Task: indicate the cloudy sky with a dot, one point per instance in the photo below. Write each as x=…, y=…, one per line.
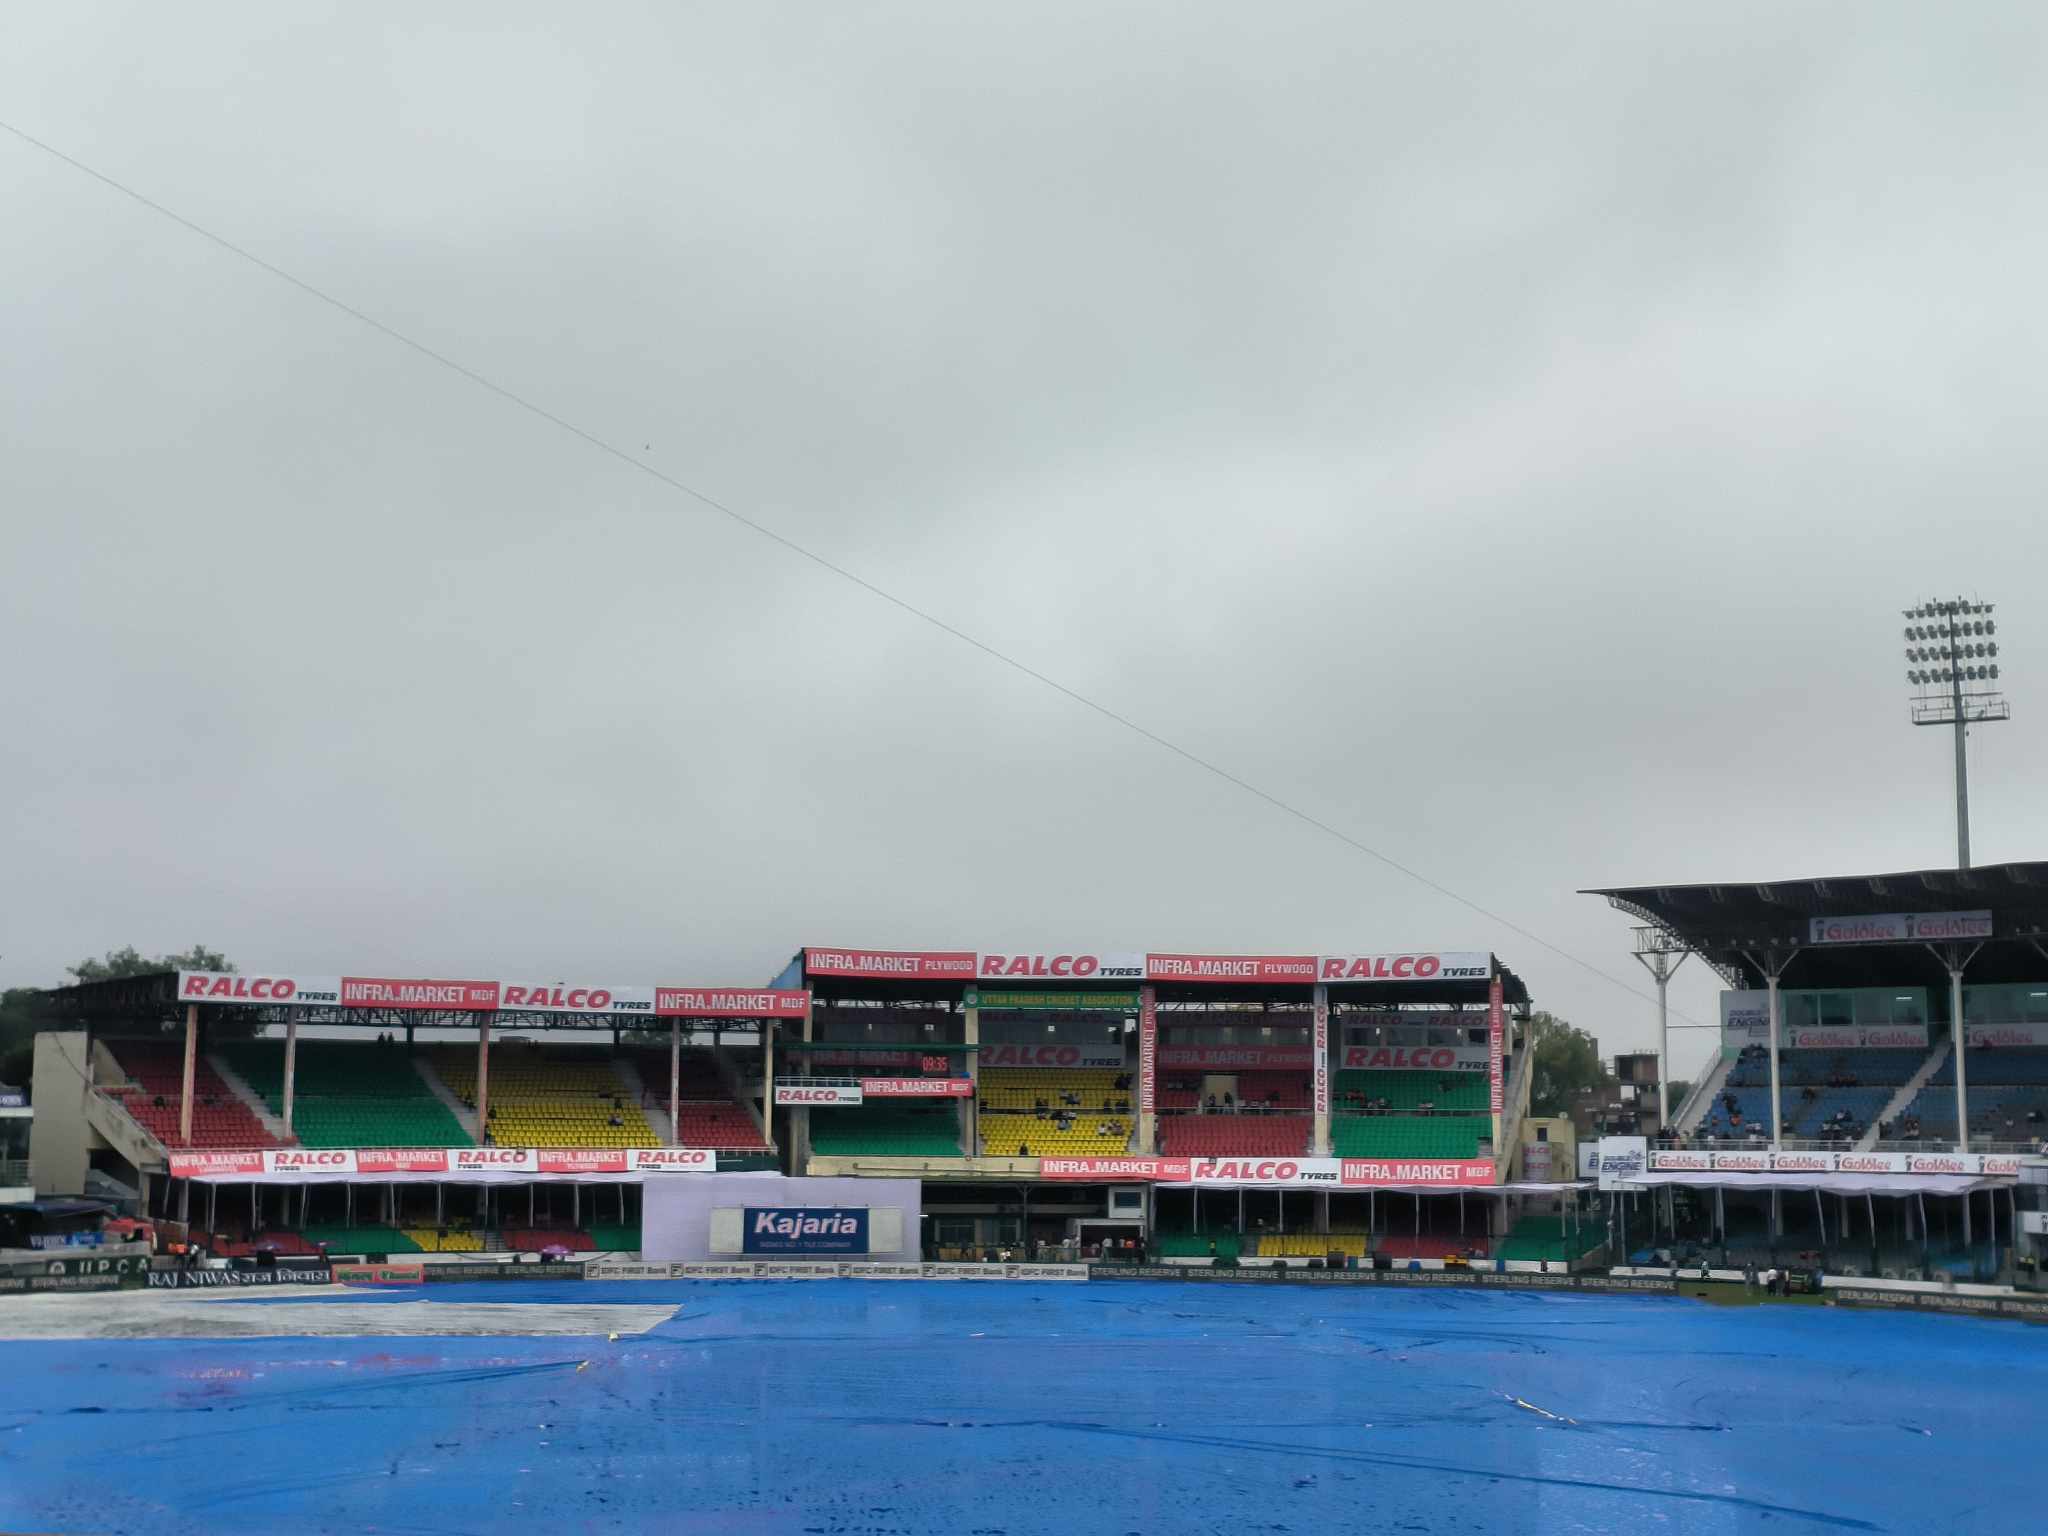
x=1505, y=437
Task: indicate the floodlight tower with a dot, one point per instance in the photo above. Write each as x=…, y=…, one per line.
x=1661, y=953
x=1952, y=661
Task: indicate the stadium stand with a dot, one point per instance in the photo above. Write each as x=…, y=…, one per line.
x=1430, y=1245
x=359, y=1239
x=1234, y=1135
x=540, y=1239
x=1055, y=1112
x=2008, y=1090
x=1536, y=1237
x=1816, y=1090
x=348, y=1094
x=706, y=1114
x=1357, y=1088
x=1309, y=1245
x=1198, y=1245
x=614, y=1238
x=549, y=1096
x=219, y=1117
x=1436, y=1136
x=888, y=1128
x=445, y=1239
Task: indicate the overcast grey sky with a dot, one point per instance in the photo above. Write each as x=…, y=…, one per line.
x=1507, y=434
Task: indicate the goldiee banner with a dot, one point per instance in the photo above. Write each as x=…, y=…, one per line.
x=1990, y=1165
x=1478, y=1279
x=270, y=989
x=468, y=1165
x=2021, y=1034
x=1899, y=928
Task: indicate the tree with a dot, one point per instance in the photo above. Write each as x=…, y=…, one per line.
x=21, y=1014
x=129, y=961
x=1564, y=1061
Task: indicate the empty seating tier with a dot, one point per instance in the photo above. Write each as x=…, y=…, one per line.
x=907, y=1128
x=1055, y=1112
x=1414, y=1136
x=1234, y=1135
x=1540, y=1237
x=544, y=1096
x=344, y=1239
x=219, y=1117
x=346, y=1094
x=707, y=1115
x=1309, y=1245
x=1354, y=1088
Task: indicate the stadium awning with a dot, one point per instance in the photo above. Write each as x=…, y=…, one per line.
x=1826, y=1183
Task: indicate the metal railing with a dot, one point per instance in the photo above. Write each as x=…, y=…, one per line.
x=14, y=1171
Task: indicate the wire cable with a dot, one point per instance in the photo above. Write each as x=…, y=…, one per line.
x=804, y=552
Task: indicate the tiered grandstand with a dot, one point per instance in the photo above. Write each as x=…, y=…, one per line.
x=346, y=1094
x=1410, y=1114
x=219, y=1117
x=1234, y=1135
x=1815, y=1089
x=1055, y=1112
x=550, y=1096
x=887, y=1128
x=707, y=1115
x=2008, y=1093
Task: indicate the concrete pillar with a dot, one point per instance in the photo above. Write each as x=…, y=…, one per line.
x=191, y=1070
x=970, y=1107
x=1955, y=1024
x=768, y=1077
x=675, y=1079
x=1148, y=1070
x=1319, y=1044
x=1777, y=1111
x=291, y=1064
x=483, y=1077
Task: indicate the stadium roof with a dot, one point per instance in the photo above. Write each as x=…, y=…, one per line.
x=1732, y=924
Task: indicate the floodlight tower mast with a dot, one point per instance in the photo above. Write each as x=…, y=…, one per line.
x=1661, y=953
x=1952, y=661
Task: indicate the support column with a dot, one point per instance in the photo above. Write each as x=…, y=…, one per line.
x=675, y=1080
x=1320, y=1045
x=768, y=1077
x=1955, y=1024
x=191, y=1070
x=1777, y=1109
x=291, y=1065
x=800, y=1118
x=970, y=1107
x=483, y=1077
x=1148, y=1070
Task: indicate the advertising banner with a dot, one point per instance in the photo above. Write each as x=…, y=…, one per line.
x=1094, y=1054
x=819, y=1093
x=729, y=1003
x=1239, y=970
x=1011, y=1001
x=494, y=1160
x=214, y=1165
x=1420, y=1058
x=1746, y=1018
x=674, y=1160
x=418, y=996
x=402, y=1160
x=2021, y=1034
x=891, y=964
x=1248, y=1058
x=917, y=1087
x=379, y=1274
x=1622, y=1157
x=542, y=997
x=1899, y=928
x=804, y=1229
x=285, y=1272
x=1148, y=1051
x=1319, y=1050
x=1455, y=965
x=1101, y=966
x=264, y=989
x=1267, y=1172
x=1115, y=1170
x=1763, y=1160
x=1496, y=1049
x=1448, y=1172
x=581, y=1159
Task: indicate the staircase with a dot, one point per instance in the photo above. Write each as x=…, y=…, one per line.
x=464, y=1115
x=1896, y=1104
x=239, y=1087
x=636, y=1093
x=1687, y=1117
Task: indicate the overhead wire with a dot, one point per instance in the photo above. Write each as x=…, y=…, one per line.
x=804, y=552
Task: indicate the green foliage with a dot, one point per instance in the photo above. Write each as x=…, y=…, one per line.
x=21, y=1014
x=1564, y=1062
x=129, y=961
